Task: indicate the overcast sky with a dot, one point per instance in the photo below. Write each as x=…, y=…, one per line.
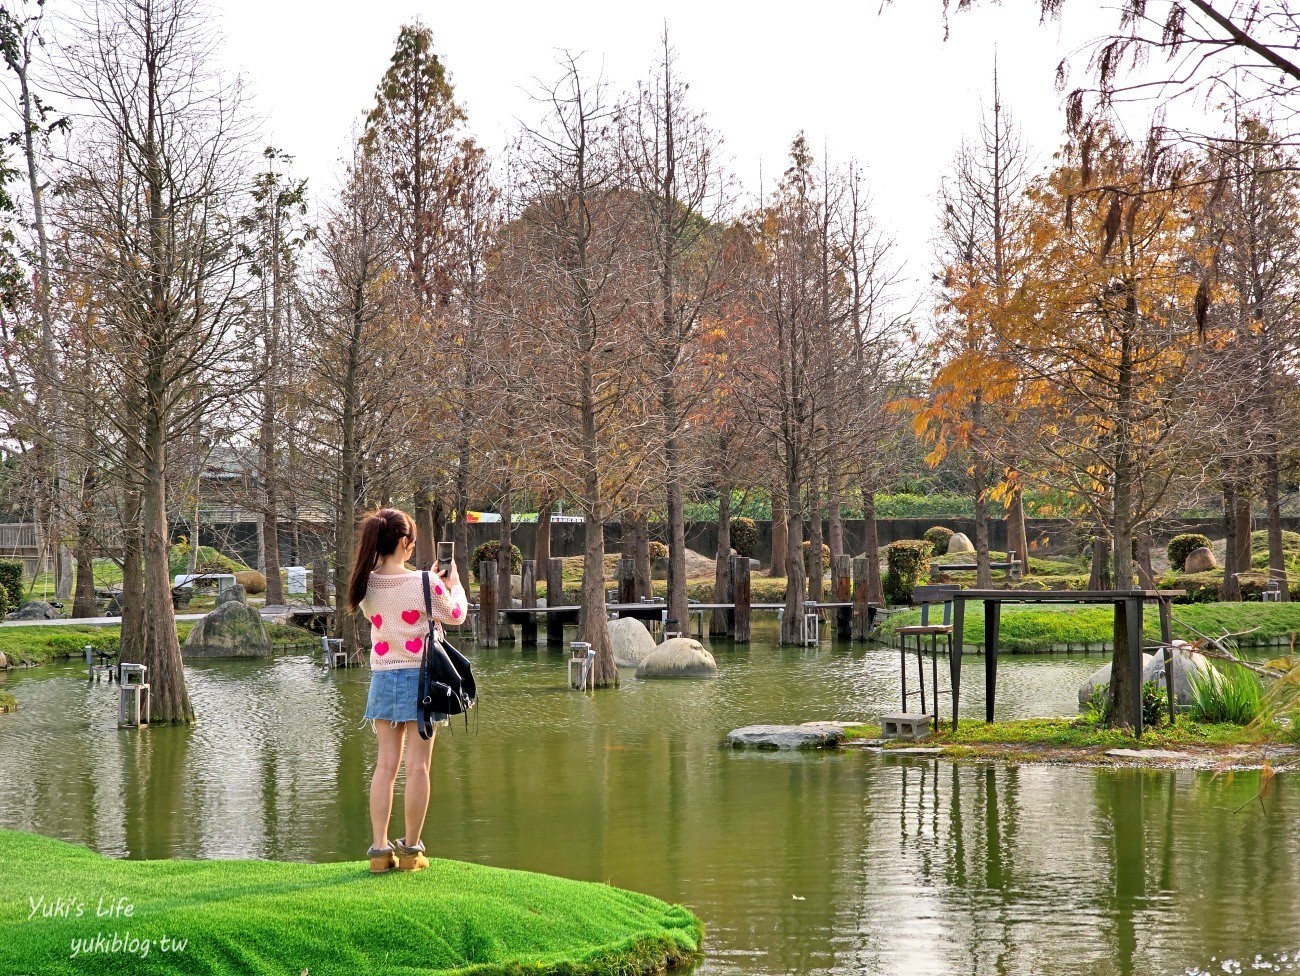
x=881, y=87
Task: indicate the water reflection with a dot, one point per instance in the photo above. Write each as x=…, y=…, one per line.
x=841, y=863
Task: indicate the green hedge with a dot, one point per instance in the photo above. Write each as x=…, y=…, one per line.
x=489, y=551
x=744, y=536
x=938, y=536
x=11, y=581
x=807, y=558
x=908, y=562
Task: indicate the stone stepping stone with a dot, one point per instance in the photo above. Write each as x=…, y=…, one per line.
x=819, y=735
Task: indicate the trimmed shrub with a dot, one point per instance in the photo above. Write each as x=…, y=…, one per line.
x=252, y=581
x=490, y=551
x=938, y=536
x=908, y=562
x=744, y=537
x=1181, y=546
x=1155, y=704
x=658, y=550
x=807, y=558
x=11, y=581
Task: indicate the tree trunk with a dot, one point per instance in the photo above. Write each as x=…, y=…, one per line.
x=816, y=564
x=1017, y=536
x=1099, y=577
x=1245, y=558
x=594, y=628
x=85, y=604
x=1142, y=547
x=835, y=517
x=1273, y=502
x=1231, y=589
x=641, y=556
x=983, y=575
x=875, y=586
x=542, y=543
x=169, y=699
x=722, y=562
x=794, y=575
x=676, y=515
x=425, y=534
x=505, y=596
x=779, y=536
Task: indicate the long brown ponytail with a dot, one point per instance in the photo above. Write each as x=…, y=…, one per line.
x=381, y=531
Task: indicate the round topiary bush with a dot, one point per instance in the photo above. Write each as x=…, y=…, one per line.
x=490, y=551
x=938, y=536
x=908, y=562
x=11, y=581
x=744, y=536
x=1181, y=546
x=658, y=550
x=252, y=581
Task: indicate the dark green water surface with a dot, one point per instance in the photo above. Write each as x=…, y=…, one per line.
x=842, y=862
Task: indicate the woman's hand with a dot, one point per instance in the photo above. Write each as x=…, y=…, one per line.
x=452, y=576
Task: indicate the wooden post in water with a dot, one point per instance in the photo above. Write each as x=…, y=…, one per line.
x=554, y=598
x=626, y=576
x=842, y=588
x=487, y=603
x=740, y=586
x=861, y=612
x=733, y=567
x=528, y=601
x=723, y=621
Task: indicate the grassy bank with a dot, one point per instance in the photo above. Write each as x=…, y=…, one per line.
x=39, y=644
x=1029, y=628
x=267, y=917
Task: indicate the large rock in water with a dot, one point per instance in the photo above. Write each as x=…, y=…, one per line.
x=231, y=630
x=1101, y=679
x=681, y=657
x=1199, y=561
x=630, y=642
x=34, y=610
x=817, y=735
x=960, y=542
x=1187, y=663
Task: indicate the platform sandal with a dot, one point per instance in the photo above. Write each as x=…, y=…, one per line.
x=382, y=859
x=410, y=858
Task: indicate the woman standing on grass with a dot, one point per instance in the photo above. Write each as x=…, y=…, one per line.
x=392, y=598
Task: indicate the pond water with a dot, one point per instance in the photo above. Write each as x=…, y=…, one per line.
x=846, y=862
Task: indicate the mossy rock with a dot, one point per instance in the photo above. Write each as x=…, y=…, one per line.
x=231, y=630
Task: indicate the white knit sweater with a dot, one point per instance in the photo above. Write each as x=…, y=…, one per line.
x=395, y=606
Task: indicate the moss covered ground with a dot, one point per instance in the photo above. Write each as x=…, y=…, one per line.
x=1028, y=628
x=267, y=917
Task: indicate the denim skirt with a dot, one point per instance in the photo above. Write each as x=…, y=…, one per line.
x=393, y=696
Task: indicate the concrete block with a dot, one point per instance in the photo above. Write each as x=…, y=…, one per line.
x=905, y=725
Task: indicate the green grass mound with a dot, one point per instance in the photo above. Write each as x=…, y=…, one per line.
x=264, y=917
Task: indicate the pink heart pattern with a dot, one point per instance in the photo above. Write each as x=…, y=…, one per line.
x=381, y=648
x=377, y=620
x=455, y=613
x=414, y=645
x=410, y=616
x=437, y=589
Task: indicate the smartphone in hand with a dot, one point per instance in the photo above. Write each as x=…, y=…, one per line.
x=446, y=553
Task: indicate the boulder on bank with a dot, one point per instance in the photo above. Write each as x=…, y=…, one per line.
x=34, y=610
x=1101, y=679
x=681, y=657
x=4, y=661
x=231, y=630
x=1199, y=561
x=814, y=735
x=235, y=593
x=960, y=542
x=630, y=642
x=1187, y=663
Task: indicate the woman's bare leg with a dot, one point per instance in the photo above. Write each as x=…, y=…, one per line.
x=419, y=754
x=390, y=738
